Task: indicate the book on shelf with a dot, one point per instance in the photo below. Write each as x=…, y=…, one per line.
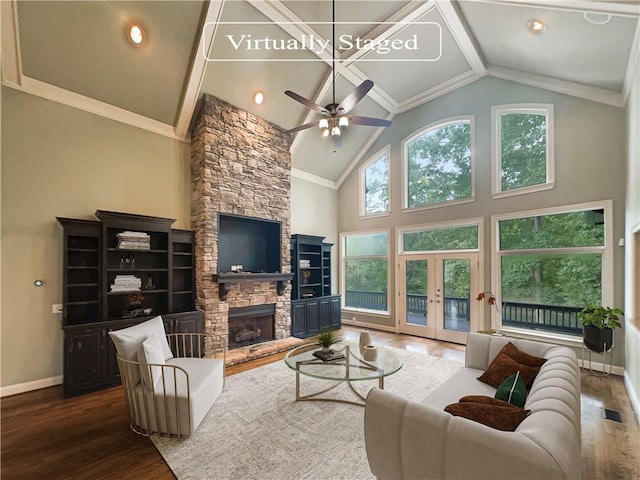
x=134, y=240
x=329, y=356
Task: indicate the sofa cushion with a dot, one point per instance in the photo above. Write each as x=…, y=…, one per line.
x=504, y=366
x=150, y=351
x=501, y=416
x=513, y=390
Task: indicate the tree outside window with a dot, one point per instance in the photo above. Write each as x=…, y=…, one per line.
x=375, y=184
x=551, y=263
x=365, y=271
x=523, y=154
x=438, y=165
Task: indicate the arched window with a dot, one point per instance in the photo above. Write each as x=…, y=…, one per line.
x=438, y=166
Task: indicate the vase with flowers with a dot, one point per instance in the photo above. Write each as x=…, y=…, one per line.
x=133, y=301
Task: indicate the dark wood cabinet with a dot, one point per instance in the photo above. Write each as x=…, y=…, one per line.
x=313, y=308
x=152, y=261
x=85, y=360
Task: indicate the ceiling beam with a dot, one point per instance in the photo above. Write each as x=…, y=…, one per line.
x=11, y=60
x=587, y=92
x=198, y=68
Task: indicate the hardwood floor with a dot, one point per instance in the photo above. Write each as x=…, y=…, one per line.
x=45, y=436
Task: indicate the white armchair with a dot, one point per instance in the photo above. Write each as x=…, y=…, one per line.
x=168, y=385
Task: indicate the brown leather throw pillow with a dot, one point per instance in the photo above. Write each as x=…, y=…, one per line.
x=523, y=357
x=495, y=413
x=503, y=366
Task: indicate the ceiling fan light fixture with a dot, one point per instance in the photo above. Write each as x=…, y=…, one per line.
x=325, y=132
x=323, y=124
x=135, y=34
x=536, y=26
x=343, y=122
x=258, y=97
x=335, y=131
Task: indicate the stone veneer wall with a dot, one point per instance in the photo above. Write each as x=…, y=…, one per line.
x=240, y=164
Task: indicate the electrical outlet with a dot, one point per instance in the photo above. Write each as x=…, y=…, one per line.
x=56, y=308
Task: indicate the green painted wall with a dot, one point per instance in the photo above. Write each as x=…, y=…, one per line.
x=60, y=161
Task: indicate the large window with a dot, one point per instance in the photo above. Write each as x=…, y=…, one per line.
x=438, y=165
x=374, y=184
x=366, y=271
x=522, y=149
x=551, y=264
x=440, y=239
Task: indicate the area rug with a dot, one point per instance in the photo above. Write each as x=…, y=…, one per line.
x=256, y=429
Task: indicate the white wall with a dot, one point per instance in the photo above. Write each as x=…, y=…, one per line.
x=632, y=248
x=59, y=161
x=314, y=211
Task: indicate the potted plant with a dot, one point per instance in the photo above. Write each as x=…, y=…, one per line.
x=326, y=338
x=598, y=323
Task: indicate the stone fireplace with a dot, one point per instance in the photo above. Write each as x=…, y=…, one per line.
x=241, y=166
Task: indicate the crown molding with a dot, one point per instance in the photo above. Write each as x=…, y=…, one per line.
x=594, y=94
x=91, y=105
x=439, y=90
x=632, y=63
x=309, y=177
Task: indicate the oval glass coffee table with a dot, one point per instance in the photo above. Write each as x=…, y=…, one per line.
x=349, y=368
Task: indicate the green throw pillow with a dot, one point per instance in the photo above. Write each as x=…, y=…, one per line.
x=513, y=390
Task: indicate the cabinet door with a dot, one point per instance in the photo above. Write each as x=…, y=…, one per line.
x=192, y=322
x=85, y=363
x=299, y=319
x=313, y=316
x=325, y=313
x=336, y=312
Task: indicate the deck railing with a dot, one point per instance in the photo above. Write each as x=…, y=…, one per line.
x=524, y=315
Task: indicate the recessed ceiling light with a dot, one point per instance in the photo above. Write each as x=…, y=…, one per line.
x=135, y=33
x=536, y=26
x=258, y=98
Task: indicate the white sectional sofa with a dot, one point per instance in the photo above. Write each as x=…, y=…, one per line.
x=417, y=439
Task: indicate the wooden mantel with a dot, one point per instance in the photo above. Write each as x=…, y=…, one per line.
x=224, y=281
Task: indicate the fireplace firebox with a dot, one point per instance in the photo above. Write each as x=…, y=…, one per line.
x=250, y=325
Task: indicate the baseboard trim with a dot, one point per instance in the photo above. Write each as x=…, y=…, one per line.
x=372, y=326
x=29, y=386
x=635, y=401
x=599, y=367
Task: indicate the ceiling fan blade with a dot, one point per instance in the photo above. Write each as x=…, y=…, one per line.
x=303, y=127
x=337, y=141
x=354, y=97
x=307, y=103
x=372, y=122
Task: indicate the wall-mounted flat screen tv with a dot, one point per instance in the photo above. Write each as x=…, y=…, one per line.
x=251, y=242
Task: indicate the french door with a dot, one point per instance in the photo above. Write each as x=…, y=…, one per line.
x=436, y=295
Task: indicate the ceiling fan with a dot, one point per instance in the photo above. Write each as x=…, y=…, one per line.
x=335, y=116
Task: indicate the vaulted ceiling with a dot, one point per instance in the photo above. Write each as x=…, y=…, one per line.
x=77, y=53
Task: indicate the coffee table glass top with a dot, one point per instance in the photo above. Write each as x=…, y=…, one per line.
x=302, y=360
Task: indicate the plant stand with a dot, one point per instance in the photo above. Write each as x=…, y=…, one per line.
x=604, y=372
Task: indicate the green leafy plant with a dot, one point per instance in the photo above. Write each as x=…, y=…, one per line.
x=326, y=338
x=600, y=317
